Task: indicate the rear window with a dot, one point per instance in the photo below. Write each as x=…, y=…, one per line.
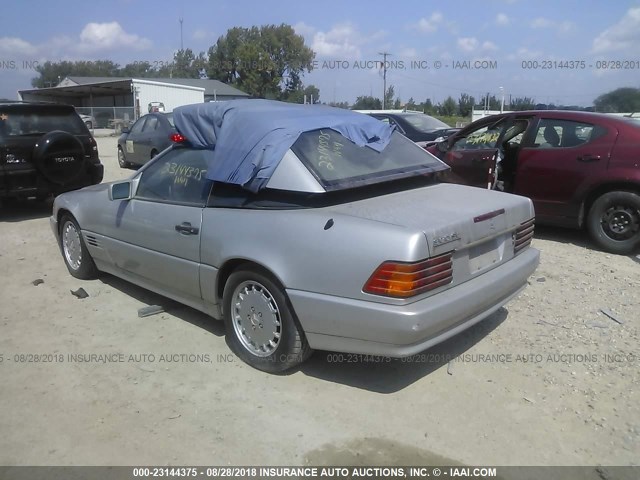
x=338, y=163
x=23, y=121
x=169, y=117
x=424, y=123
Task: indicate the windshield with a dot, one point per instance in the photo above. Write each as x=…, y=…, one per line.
x=423, y=122
x=338, y=163
x=20, y=120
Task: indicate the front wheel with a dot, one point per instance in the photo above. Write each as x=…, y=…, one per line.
x=260, y=323
x=614, y=222
x=74, y=251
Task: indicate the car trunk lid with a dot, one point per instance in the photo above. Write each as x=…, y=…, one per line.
x=479, y=226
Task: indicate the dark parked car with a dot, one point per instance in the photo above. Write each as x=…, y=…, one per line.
x=580, y=169
x=150, y=135
x=45, y=149
x=416, y=126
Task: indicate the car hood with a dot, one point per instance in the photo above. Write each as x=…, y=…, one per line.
x=451, y=216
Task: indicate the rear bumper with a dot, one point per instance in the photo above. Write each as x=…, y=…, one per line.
x=356, y=326
x=29, y=182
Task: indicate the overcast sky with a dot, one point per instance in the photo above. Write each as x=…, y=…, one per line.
x=418, y=34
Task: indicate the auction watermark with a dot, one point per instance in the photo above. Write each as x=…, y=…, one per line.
x=344, y=358
x=624, y=64
x=25, y=64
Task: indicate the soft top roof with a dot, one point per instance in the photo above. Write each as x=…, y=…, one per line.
x=248, y=138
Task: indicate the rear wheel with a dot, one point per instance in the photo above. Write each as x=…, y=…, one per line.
x=153, y=154
x=122, y=160
x=614, y=222
x=74, y=251
x=261, y=327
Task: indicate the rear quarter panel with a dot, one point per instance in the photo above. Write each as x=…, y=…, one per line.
x=297, y=248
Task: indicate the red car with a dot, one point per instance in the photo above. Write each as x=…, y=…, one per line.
x=580, y=169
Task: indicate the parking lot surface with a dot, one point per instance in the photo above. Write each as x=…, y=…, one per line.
x=551, y=379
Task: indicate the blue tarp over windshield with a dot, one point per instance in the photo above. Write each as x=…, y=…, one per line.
x=248, y=138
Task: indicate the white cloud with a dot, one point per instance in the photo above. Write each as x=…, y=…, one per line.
x=343, y=40
x=489, y=46
x=560, y=27
x=624, y=35
x=430, y=24
x=201, y=34
x=472, y=44
x=408, y=53
x=336, y=42
x=467, y=44
x=16, y=46
x=502, y=19
x=107, y=36
x=524, y=53
x=94, y=38
x=303, y=29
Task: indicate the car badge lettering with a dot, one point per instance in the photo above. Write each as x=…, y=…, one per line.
x=452, y=237
x=64, y=159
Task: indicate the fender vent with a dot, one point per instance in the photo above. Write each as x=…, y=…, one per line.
x=91, y=240
x=523, y=236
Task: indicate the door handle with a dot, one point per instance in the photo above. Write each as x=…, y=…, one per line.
x=185, y=228
x=588, y=158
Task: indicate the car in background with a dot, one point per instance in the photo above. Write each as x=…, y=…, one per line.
x=580, y=169
x=88, y=120
x=155, y=107
x=416, y=126
x=147, y=137
x=331, y=244
x=45, y=149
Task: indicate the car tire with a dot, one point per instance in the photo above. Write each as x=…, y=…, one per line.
x=253, y=299
x=74, y=251
x=60, y=157
x=614, y=222
x=153, y=154
x=122, y=159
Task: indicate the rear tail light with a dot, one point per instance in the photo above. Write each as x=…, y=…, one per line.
x=177, y=138
x=523, y=236
x=402, y=279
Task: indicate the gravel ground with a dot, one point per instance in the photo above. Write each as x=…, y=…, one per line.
x=547, y=380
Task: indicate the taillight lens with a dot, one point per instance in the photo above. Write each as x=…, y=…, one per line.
x=403, y=280
x=523, y=236
x=177, y=138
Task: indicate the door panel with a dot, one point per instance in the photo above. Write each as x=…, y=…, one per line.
x=157, y=233
x=472, y=167
x=552, y=171
x=472, y=155
x=150, y=246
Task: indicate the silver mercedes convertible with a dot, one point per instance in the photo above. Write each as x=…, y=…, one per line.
x=303, y=227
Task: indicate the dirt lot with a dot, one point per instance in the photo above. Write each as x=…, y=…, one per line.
x=547, y=380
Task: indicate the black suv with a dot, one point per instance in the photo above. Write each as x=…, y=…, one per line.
x=45, y=149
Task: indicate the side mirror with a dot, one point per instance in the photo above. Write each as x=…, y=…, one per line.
x=120, y=191
x=124, y=130
x=443, y=146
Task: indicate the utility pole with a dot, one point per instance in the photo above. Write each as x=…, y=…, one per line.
x=181, y=43
x=384, y=76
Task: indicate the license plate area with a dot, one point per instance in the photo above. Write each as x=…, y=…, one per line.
x=486, y=254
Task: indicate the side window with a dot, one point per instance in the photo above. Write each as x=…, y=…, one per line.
x=176, y=177
x=137, y=127
x=556, y=133
x=150, y=125
x=483, y=138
